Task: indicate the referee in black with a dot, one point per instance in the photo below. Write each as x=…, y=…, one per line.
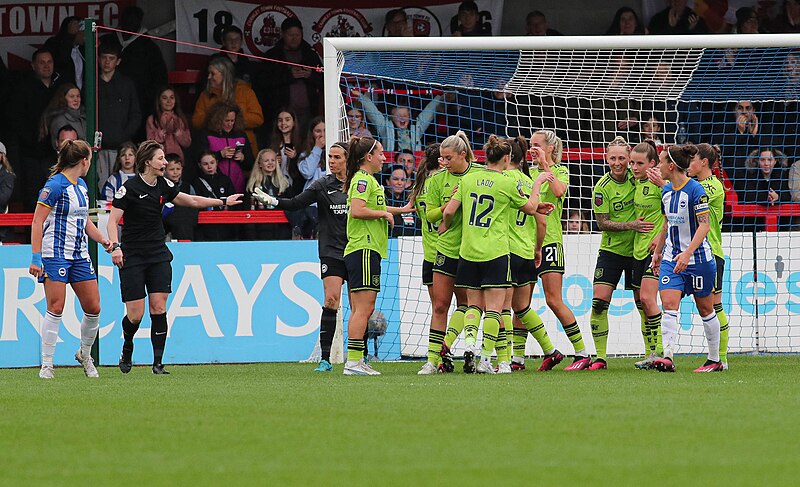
x=327, y=192
x=142, y=255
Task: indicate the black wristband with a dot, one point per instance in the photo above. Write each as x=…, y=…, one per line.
x=115, y=246
x=224, y=201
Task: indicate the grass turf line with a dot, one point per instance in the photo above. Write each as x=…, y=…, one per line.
x=283, y=424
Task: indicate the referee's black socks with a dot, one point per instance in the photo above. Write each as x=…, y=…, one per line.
x=129, y=329
x=158, y=336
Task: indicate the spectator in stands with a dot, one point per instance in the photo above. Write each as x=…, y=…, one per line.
x=536, y=25
x=396, y=187
x=312, y=162
x=180, y=222
x=225, y=137
x=6, y=188
x=124, y=169
x=479, y=113
x=286, y=141
x=118, y=108
x=395, y=131
x=64, y=109
x=212, y=184
x=223, y=86
x=737, y=137
x=66, y=133
x=66, y=47
x=297, y=85
x=358, y=128
x=768, y=178
x=268, y=177
x=232, y=42
x=794, y=181
x=469, y=21
x=395, y=24
x=747, y=21
x=167, y=125
x=789, y=19
x=576, y=222
x=677, y=19
x=625, y=23
x=27, y=103
x=406, y=159
x=651, y=130
x=140, y=60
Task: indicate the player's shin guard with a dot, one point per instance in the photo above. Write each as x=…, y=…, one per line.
x=519, y=340
x=507, y=335
x=49, y=332
x=599, y=321
x=435, y=339
x=711, y=326
x=455, y=326
x=491, y=330
x=89, y=326
x=723, y=332
x=327, y=328
x=158, y=336
x=534, y=324
x=472, y=319
x=669, y=331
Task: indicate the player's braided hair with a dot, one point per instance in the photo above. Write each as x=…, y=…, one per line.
x=428, y=164
x=70, y=153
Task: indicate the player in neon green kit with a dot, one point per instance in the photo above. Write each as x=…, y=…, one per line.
x=483, y=265
x=647, y=205
x=368, y=221
x=701, y=168
x=457, y=158
x=526, y=240
x=546, y=150
x=614, y=211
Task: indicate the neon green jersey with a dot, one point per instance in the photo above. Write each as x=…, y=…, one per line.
x=429, y=230
x=486, y=197
x=716, y=203
x=553, y=234
x=616, y=200
x=521, y=227
x=367, y=234
x=647, y=205
x=440, y=190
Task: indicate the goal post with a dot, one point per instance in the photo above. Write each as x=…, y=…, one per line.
x=588, y=90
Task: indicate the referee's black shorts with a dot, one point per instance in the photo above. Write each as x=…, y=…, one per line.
x=363, y=270
x=610, y=267
x=481, y=275
x=143, y=273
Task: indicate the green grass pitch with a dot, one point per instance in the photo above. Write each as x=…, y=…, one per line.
x=282, y=424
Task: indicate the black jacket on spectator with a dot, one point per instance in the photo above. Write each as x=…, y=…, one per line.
x=181, y=223
x=659, y=24
x=119, y=111
x=407, y=224
x=756, y=188
x=217, y=186
x=29, y=100
x=61, y=47
x=6, y=189
x=272, y=85
x=266, y=231
x=144, y=64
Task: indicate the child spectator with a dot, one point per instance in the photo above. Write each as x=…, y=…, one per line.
x=267, y=176
x=355, y=120
x=232, y=42
x=6, y=188
x=167, y=125
x=123, y=170
x=577, y=222
x=312, y=162
x=212, y=184
x=225, y=137
x=180, y=222
x=396, y=188
x=395, y=131
x=286, y=142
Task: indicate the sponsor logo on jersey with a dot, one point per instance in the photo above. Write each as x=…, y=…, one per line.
x=361, y=186
x=44, y=193
x=646, y=190
x=598, y=199
x=618, y=206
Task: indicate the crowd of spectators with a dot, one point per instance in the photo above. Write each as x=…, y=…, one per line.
x=257, y=124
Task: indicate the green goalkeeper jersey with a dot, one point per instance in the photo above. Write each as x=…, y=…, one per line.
x=716, y=203
x=486, y=197
x=615, y=199
x=367, y=234
x=647, y=204
x=440, y=189
x=430, y=232
x=553, y=234
x=521, y=227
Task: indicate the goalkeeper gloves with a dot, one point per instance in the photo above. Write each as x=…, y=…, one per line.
x=264, y=198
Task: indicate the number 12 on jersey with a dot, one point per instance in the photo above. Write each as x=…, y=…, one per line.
x=486, y=202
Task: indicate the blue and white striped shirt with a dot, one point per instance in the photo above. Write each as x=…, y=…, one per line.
x=64, y=230
x=681, y=207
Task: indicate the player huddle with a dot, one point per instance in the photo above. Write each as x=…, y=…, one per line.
x=490, y=233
